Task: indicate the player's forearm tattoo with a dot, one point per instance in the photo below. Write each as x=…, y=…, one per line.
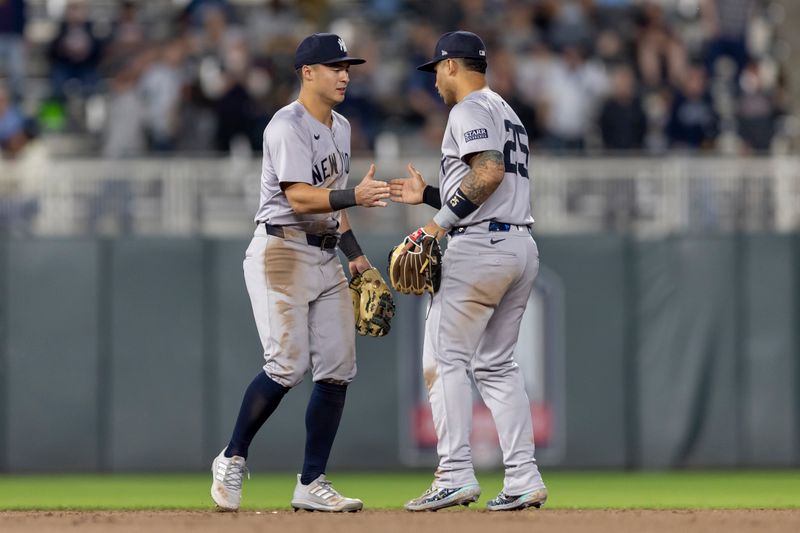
x=482, y=180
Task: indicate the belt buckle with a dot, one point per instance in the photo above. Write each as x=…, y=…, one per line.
x=328, y=242
x=499, y=226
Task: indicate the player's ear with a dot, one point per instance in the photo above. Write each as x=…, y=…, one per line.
x=442, y=67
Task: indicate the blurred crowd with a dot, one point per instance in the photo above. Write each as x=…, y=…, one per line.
x=205, y=76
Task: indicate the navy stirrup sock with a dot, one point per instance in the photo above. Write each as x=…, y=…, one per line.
x=260, y=400
x=322, y=420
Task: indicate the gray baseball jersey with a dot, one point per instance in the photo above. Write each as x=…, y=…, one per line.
x=474, y=320
x=298, y=292
x=299, y=148
x=484, y=121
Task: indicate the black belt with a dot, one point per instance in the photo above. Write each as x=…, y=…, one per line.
x=493, y=226
x=326, y=242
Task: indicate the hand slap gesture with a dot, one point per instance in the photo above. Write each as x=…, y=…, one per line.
x=408, y=190
x=370, y=192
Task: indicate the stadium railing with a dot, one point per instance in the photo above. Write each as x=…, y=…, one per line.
x=218, y=197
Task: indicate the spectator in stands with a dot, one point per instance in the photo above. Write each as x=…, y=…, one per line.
x=518, y=28
x=659, y=49
x=613, y=14
x=74, y=53
x=12, y=45
x=11, y=118
x=128, y=37
x=362, y=106
x=124, y=134
x=502, y=79
x=562, y=94
x=725, y=23
x=197, y=10
x=757, y=110
x=477, y=16
x=693, y=123
x=447, y=14
x=421, y=95
x=623, y=123
x=571, y=26
x=429, y=137
x=571, y=96
x=217, y=35
x=534, y=69
x=543, y=16
x=16, y=131
x=209, y=46
x=236, y=108
x=383, y=11
x=161, y=87
x=611, y=50
x=276, y=21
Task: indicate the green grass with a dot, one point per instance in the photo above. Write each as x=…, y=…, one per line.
x=568, y=490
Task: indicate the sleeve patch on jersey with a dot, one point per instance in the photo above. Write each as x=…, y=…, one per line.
x=473, y=135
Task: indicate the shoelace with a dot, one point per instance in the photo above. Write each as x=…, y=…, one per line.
x=502, y=498
x=329, y=485
x=433, y=489
x=234, y=474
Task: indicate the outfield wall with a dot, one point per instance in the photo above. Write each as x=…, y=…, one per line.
x=133, y=353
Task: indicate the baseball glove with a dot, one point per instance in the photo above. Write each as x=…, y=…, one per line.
x=373, y=305
x=418, y=270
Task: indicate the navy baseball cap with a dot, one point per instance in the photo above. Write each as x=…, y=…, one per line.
x=323, y=48
x=456, y=44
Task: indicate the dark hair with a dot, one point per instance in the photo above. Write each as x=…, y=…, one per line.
x=477, y=65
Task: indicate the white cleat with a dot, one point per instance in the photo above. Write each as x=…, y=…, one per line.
x=436, y=498
x=226, y=487
x=319, y=495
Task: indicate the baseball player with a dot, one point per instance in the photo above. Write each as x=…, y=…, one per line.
x=487, y=277
x=297, y=288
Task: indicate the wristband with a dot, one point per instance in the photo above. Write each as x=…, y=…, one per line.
x=342, y=198
x=461, y=205
x=458, y=207
x=349, y=245
x=432, y=197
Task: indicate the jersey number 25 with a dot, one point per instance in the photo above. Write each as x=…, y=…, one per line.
x=519, y=138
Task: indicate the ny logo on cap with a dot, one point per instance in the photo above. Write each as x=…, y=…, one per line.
x=342, y=46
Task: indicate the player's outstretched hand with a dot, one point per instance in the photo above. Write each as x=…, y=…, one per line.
x=371, y=192
x=408, y=190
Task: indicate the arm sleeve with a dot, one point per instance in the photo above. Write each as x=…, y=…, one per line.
x=474, y=129
x=289, y=152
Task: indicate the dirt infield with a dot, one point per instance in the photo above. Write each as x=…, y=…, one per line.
x=562, y=521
